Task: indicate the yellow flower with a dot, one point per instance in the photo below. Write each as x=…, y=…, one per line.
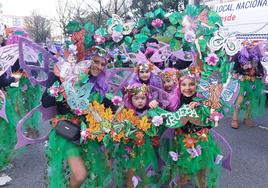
x=144, y=124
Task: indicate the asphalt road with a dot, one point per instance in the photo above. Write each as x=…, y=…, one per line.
x=249, y=161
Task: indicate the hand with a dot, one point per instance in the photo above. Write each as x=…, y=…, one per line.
x=153, y=104
x=194, y=104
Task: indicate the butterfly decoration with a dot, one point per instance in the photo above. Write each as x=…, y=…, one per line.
x=194, y=152
x=78, y=96
x=174, y=155
x=214, y=91
x=35, y=61
x=3, y=105
x=118, y=22
x=225, y=41
x=70, y=70
x=8, y=56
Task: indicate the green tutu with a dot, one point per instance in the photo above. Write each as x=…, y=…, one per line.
x=7, y=135
x=58, y=151
x=254, y=98
x=199, y=156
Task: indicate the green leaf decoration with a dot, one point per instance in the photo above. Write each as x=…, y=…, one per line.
x=118, y=127
x=109, y=96
x=202, y=44
x=149, y=15
x=73, y=26
x=171, y=30
x=88, y=42
x=101, y=31
x=107, y=139
x=83, y=125
x=59, y=98
x=130, y=129
x=160, y=13
x=128, y=40
x=145, y=30
x=83, y=77
x=214, y=18
x=118, y=28
x=109, y=21
x=95, y=97
x=175, y=17
x=135, y=46
x=152, y=131
x=89, y=27
x=141, y=38
x=141, y=23
x=174, y=44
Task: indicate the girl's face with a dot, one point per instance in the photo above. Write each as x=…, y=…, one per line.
x=97, y=66
x=144, y=75
x=139, y=101
x=168, y=84
x=188, y=87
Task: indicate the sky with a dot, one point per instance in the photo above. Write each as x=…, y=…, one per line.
x=25, y=7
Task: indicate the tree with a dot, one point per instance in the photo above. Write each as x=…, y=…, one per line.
x=39, y=27
x=141, y=7
x=64, y=14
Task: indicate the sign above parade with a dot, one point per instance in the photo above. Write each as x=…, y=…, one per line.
x=243, y=16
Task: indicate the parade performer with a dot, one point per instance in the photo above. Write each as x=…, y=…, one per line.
x=60, y=148
x=144, y=73
x=249, y=71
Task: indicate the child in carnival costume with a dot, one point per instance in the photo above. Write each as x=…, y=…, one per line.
x=249, y=71
x=197, y=148
x=193, y=152
x=144, y=73
x=137, y=98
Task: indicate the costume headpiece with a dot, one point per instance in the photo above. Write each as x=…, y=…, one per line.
x=170, y=73
x=144, y=66
x=137, y=88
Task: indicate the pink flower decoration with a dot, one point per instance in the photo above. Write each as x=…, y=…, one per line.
x=117, y=100
x=189, y=36
x=99, y=39
x=199, y=95
x=157, y=120
x=212, y=59
x=128, y=149
x=54, y=91
x=157, y=23
x=117, y=36
x=84, y=134
x=174, y=155
x=216, y=116
x=78, y=111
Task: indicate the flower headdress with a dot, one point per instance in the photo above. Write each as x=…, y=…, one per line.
x=188, y=73
x=135, y=89
x=144, y=66
x=170, y=73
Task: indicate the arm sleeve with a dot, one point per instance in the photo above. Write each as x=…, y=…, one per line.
x=47, y=100
x=6, y=81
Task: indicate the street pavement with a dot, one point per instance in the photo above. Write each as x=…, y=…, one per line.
x=249, y=161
